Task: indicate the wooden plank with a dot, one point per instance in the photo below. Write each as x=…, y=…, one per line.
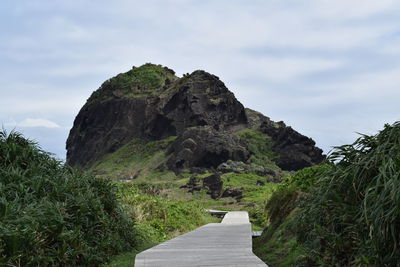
x=215, y=244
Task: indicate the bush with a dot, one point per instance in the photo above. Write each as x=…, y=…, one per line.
x=160, y=218
x=51, y=214
x=286, y=197
x=352, y=216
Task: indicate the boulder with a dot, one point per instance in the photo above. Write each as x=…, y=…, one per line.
x=193, y=184
x=260, y=183
x=241, y=167
x=213, y=184
x=236, y=193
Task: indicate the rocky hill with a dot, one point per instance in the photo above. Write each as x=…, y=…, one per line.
x=205, y=126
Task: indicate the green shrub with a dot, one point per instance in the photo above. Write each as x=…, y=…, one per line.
x=281, y=204
x=286, y=196
x=260, y=146
x=352, y=216
x=279, y=245
x=306, y=178
x=53, y=215
x=159, y=218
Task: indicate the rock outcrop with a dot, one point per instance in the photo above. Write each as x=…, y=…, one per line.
x=295, y=150
x=151, y=103
x=213, y=184
x=205, y=147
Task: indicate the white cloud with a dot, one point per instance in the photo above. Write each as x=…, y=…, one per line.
x=32, y=123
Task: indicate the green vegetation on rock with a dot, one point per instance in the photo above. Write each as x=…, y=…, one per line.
x=136, y=159
x=260, y=146
x=140, y=81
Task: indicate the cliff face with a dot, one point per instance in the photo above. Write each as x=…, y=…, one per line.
x=151, y=103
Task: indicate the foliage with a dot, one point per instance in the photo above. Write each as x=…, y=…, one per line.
x=240, y=179
x=53, y=215
x=352, y=216
x=260, y=147
x=135, y=159
x=254, y=196
x=304, y=179
x=278, y=245
x=142, y=81
x=286, y=196
x=157, y=217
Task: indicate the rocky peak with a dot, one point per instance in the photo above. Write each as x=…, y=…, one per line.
x=151, y=103
x=201, y=99
x=146, y=80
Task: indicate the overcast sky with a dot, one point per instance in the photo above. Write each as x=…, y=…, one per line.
x=329, y=69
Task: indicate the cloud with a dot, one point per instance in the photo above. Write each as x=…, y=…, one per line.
x=33, y=123
x=311, y=63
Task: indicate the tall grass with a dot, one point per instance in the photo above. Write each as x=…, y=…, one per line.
x=53, y=215
x=159, y=218
x=352, y=215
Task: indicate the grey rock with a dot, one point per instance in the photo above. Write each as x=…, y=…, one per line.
x=205, y=147
x=295, y=150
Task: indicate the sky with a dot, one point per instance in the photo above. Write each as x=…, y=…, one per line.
x=329, y=69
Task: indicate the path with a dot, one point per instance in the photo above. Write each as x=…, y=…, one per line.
x=216, y=244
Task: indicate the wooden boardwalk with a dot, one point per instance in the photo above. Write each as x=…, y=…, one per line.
x=216, y=244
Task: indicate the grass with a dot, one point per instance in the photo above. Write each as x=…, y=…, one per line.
x=148, y=79
x=342, y=213
x=136, y=159
x=354, y=207
x=126, y=259
x=141, y=159
x=166, y=211
x=278, y=246
x=158, y=218
x=164, y=197
x=260, y=147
